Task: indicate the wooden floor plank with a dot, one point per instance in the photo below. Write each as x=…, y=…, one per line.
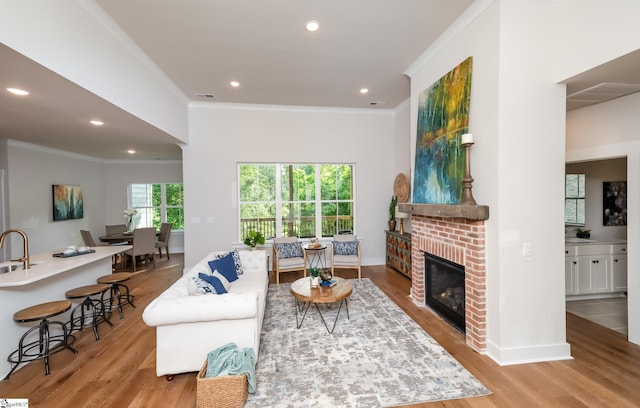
x=119, y=369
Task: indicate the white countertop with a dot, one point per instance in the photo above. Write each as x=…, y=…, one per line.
x=46, y=265
x=584, y=241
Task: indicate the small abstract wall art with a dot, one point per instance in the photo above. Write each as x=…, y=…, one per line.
x=67, y=202
x=614, y=204
x=443, y=116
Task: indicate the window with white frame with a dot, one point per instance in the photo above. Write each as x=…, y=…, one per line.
x=574, y=199
x=157, y=203
x=302, y=200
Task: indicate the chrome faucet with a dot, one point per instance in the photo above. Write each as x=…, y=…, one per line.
x=25, y=246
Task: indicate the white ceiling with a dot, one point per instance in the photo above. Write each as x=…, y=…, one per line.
x=203, y=45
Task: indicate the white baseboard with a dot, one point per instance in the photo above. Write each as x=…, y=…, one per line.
x=526, y=355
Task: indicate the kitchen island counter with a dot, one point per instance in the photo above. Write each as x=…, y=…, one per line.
x=46, y=281
x=46, y=265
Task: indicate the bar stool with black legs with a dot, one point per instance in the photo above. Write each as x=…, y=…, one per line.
x=46, y=344
x=97, y=307
x=115, y=280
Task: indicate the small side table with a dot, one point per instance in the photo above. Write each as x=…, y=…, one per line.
x=315, y=255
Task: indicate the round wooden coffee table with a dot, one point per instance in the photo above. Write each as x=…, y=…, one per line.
x=305, y=295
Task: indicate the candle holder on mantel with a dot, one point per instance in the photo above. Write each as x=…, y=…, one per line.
x=467, y=196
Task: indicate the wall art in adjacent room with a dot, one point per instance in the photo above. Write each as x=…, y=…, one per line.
x=614, y=205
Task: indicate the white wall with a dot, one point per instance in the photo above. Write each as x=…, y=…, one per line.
x=596, y=172
x=403, y=157
x=223, y=135
x=511, y=90
x=608, y=130
x=591, y=32
x=79, y=42
x=118, y=176
x=32, y=169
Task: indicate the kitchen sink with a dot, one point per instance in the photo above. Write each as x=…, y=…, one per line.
x=11, y=266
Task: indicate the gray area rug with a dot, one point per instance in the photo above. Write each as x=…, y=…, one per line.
x=378, y=358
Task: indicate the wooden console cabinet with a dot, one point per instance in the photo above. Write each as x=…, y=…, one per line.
x=399, y=252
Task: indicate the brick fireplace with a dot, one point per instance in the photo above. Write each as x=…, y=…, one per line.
x=459, y=240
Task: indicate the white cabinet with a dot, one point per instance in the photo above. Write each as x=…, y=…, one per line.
x=570, y=271
x=571, y=275
x=593, y=274
x=595, y=269
x=619, y=268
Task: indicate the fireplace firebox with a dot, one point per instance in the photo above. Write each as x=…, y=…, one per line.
x=444, y=289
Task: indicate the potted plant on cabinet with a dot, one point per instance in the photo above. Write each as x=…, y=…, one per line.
x=253, y=238
x=583, y=233
x=392, y=213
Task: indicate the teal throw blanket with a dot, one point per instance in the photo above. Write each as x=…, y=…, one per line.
x=231, y=360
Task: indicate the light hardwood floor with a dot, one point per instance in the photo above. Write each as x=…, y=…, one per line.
x=118, y=370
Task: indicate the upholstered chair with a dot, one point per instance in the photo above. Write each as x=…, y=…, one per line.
x=116, y=229
x=144, y=244
x=87, y=238
x=163, y=238
x=288, y=256
x=345, y=254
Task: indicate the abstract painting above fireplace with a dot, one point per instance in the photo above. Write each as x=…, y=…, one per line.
x=443, y=116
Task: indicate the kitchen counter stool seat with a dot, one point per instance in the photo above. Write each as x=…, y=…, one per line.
x=115, y=280
x=97, y=307
x=46, y=344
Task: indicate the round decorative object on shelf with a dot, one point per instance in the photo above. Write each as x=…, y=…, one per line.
x=401, y=188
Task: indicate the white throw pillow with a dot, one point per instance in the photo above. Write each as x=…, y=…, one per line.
x=222, y=279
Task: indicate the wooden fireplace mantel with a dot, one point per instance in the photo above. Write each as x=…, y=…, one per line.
x=470, y=212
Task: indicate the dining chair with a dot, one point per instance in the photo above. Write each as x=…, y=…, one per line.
x=345, y=254
x=87, y=238
x=116, y=229
x=144, y=244
x=163, y=238
x=88, y=241
x=288, y=256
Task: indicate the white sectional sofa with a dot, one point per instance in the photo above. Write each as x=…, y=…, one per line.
x=189, y=327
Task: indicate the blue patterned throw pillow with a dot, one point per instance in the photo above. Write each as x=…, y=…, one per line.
x=225, y=266
x=236, y=260
x=198, y=287
x=289, y=250
x=214, y=281
x=345, y=248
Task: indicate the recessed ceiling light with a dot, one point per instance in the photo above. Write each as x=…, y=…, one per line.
x=234, y=84
x=364, y=91
x=96, y=122
x=16, y=91
x=312, y=25
x=131, y=151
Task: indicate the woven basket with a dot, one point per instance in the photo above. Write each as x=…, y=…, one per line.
x=227, y=391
